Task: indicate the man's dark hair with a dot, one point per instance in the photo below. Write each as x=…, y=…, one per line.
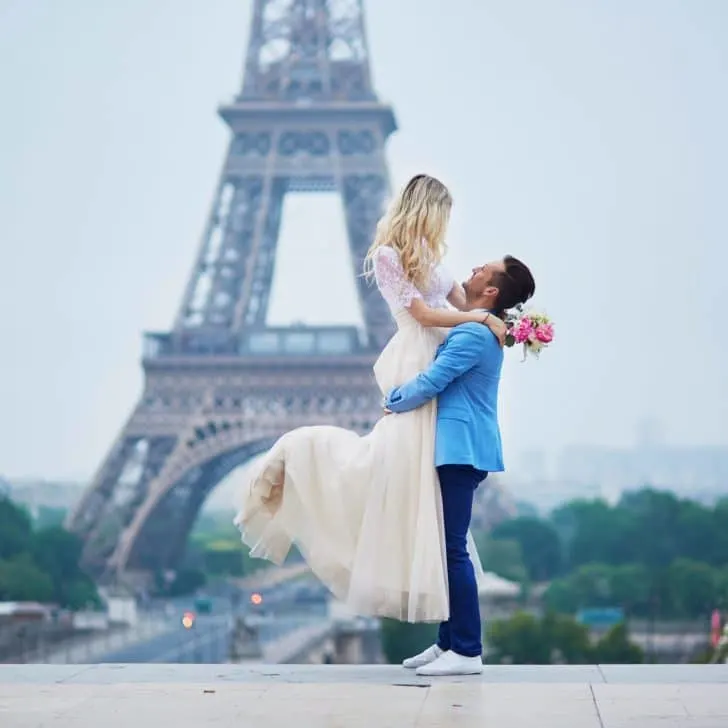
x=515, y=285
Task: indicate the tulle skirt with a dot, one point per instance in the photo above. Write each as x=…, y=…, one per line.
x=364, y=511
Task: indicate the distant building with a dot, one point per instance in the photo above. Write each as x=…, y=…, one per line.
x=594, y=471
x=50, y=494
x=493, y=504
x=697, y=472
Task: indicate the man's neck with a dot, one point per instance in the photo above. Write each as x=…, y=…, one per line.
x=481, y=306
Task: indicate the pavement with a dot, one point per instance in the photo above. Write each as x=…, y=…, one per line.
x=361, y=696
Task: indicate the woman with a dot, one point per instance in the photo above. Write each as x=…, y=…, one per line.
x=366, y=512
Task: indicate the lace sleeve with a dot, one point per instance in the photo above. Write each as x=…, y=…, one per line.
x=396, y=290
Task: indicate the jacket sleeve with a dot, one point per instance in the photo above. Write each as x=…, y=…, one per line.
x=462, y=350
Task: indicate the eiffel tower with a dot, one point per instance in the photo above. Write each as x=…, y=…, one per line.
x=222, y=386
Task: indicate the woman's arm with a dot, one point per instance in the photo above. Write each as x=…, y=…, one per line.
x=401, y=293
x=456, y=297
x=427, y=316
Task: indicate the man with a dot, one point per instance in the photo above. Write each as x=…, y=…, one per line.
x=464, y=377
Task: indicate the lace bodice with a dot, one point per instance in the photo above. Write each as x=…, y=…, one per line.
x=398, y=292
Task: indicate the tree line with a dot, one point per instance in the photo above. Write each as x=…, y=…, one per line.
x=652, y=554
x=41, y=564
x=523, y=639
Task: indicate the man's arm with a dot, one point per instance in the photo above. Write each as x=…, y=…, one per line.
x=462, y=350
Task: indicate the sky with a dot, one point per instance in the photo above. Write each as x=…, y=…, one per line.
x=586, y=137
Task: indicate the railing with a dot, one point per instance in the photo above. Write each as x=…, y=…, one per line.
x=69, y=646
x=294, y=646
x=20, y=640
x=272, y=341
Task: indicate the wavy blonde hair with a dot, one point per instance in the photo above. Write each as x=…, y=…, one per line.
x=420, y=213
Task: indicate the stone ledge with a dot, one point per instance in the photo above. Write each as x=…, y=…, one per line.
x=393, y=675
x=361, y=696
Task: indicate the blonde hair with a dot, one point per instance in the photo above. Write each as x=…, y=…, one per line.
x=415, y=226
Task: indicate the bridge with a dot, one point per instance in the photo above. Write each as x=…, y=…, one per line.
x=278, y=615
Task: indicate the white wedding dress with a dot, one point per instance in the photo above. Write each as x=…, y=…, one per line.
x=365, y=512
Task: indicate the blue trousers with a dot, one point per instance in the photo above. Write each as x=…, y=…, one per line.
x=462, y=632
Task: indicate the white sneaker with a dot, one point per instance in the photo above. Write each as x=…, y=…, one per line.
x=450, y=663
x=424, y=658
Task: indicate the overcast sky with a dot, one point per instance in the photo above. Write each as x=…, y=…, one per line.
x=587, y=137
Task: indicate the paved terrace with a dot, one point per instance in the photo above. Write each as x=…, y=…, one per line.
x=362, y=696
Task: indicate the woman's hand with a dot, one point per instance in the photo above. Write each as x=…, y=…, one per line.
x=492, y=322
x=497, y=326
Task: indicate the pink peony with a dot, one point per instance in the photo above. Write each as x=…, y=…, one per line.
x=522, y=330
x=545, y=333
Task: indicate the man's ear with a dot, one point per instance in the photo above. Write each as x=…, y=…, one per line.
x=491, y=291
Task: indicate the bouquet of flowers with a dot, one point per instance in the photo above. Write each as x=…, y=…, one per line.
x=534, y=330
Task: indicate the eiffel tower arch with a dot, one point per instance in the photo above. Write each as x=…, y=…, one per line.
x=221, y=386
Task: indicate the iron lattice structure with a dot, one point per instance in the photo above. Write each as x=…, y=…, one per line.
x=221, y=386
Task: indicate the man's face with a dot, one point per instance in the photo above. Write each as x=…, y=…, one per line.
x=479, y=283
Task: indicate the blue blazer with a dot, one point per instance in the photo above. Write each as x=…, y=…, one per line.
x=464, y=377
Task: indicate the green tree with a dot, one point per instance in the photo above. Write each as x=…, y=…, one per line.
x=517, y=640
x=594, y=533
x=641, y=554
x=22, y=581
x=614, y=648
x=539, y=542
x=696, y=525
x=49, y=516
x=693, y=588
x=721, y=587
x=561, y=596
x=630, y=588
x=16, y=529
x=601, y=585
x=567, y=640
x=405, y=639
x=81, y=594
x=719, y=533
x=658, y=514
x=58, y=553
x=41, y=566
x=525, y=640
x=503, y=557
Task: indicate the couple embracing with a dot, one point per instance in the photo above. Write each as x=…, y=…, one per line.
x=383, y=519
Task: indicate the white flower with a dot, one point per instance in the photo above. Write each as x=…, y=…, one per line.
x=534, y=347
